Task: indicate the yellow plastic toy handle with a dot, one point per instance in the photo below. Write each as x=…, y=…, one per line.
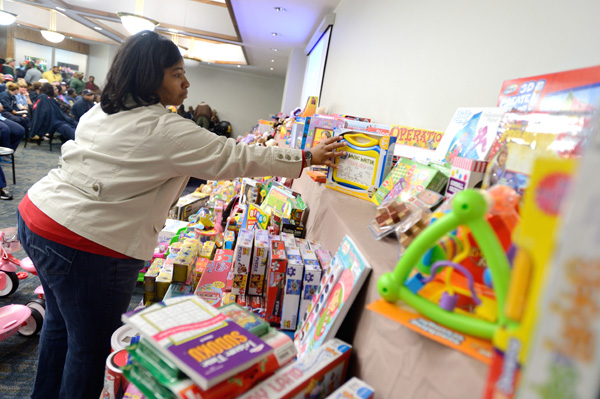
x=361, y=140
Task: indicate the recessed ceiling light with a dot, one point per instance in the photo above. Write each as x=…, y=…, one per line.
x=280, y=9
x=60, y=9
x=273, y=49
x=239, y=66
x=272, y=69
x=275, y=33
x=97, y=28
x=272, y=60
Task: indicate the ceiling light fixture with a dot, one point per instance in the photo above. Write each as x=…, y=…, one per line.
x=272, y=60
x=51, y=34
x=6, y=18
x=279, y=9
x=273, y=49
x=135, y=23
x=239, y=66
x=275, y=33
x=272, y=69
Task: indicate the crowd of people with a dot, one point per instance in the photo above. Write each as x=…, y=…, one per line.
x=34, y=105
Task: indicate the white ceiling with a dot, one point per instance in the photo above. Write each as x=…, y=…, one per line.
x=248, y=23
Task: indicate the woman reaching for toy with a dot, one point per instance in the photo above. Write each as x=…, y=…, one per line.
x=89, y=225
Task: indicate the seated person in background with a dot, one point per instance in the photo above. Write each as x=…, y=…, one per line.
x=2, y=84
x=35, y=91
x=71, y=96
x=11, y=133
x=202, y=115
x=22, y=97
x=83, y=104
x=32, y=74
x=48, y=117
x=11, y=111
x=53, y=75
x=90, y=85
x=191, y=113
x=77, y=82
x=61, y=100
x=4, y=193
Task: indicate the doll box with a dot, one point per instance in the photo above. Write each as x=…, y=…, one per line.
x=242, y=257
x=276, y=282
x=368, y=161
x=465, y=173
x=314, y=376
x=259, y=262
x=320, y=128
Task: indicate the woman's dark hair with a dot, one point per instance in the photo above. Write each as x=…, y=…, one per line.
x=70, y=91
x=47, y=89
x=137, y=72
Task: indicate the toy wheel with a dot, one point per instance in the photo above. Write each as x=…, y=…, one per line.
x=39, y=305
x=33, y=324
x=12, y=283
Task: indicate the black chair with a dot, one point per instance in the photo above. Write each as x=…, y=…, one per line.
x=9, y=152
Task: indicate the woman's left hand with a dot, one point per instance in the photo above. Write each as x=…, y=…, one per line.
x=325, y=152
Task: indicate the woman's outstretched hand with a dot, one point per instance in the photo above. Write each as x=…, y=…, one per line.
x=325, y=152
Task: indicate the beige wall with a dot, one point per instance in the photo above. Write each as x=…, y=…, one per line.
x=415, y=62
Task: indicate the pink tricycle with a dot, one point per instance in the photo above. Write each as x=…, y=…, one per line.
x=27, y=320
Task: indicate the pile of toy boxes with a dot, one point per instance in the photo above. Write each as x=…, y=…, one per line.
x=250, y=262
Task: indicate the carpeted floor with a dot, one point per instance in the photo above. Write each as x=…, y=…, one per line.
x=18, y=354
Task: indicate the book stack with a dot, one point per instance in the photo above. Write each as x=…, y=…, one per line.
x=191, y=349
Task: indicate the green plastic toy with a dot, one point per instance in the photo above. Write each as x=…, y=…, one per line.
x=469, y=208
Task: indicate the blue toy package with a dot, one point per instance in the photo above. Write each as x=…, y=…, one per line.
x=367, y=162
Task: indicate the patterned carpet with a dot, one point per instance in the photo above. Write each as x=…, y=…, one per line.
x=18, y=354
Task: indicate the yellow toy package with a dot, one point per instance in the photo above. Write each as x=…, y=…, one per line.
x=367, y=162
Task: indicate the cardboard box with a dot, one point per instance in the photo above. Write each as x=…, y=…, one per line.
x=259, y=263
x=276, y=282
x=465, y=173
x=212, y=283
x=310, y=282
x=172, y=227
x=315, y=376
x=293, y=288
x=186, y=206
x=354, y=388
x=362, y=170
x=413, y=177
x=226, y=256
x=241, y=262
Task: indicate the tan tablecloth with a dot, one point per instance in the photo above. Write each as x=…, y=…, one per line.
x=397, y=362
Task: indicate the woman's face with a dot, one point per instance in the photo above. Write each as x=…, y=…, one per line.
x=22, y=90
x=173, y=89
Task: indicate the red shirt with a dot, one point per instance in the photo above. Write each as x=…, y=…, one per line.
x=42, y=225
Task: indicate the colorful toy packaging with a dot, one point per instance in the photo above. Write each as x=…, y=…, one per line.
x=259, y=263
x=293, y=287
x=543, y=201
x=408, y=178
x=563, y=357
x=321, y=127
x=255, y=217
x=470, y=134
x=575, y=90
x=339, y=287
x=368, y=160
x=276, y=282
x=312, y=277
x=242, y=257
x=317, y=375
x=415, y=137
x=354, y=388
x=465, y=173
x=211, y=286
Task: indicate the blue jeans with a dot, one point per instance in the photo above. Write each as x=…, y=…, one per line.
x=86, y=294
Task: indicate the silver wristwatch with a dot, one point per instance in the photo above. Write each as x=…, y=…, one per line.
x=307, y=158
